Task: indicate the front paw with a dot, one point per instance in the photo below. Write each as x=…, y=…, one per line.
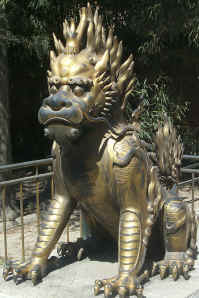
x=123, y=285
x=33, y=270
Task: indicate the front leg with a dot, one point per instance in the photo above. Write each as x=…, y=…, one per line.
x=51, y=229
x=132, y=249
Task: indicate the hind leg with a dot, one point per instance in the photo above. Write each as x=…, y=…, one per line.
x=180, y=240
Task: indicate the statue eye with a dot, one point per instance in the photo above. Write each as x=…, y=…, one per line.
x=78, y=91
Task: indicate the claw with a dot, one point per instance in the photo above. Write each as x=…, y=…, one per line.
x=144, y=277
x=17, y=277
x=7, y=272
x=175, y=272
x=163, y=271
x=190, y=262
x=189, y=252
x=122, y=292
x=98, y=285
x=154, y=269
x=107, y=290
x=36, y=275
x=59, y=249
x=139, y=291
x=131, y=289
x=80, y=254
x=186, y=271
x=15, y=280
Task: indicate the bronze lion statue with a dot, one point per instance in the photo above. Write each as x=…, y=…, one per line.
x=122, y=184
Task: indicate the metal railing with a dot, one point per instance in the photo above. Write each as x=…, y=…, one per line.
x=189, y=169
x=37, y=177
x=192, y=170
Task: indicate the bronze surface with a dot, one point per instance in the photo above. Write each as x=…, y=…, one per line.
x=121, y=183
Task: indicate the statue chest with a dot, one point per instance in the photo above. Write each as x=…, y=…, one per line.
x=90, y=184
x=81, y=176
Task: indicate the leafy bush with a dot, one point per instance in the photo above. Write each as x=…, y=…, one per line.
x=157, y=101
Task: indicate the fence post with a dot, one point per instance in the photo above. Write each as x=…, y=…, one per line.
x=52, y=188
x=37, y=202
x=193, y=184
x=4, y=223
x=22, y=223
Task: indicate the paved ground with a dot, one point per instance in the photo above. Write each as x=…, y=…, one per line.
x=75, y=280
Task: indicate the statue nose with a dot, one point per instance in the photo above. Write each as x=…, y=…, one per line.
x=58, y=101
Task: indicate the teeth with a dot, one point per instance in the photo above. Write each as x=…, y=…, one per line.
x=106, y=110
x=53, y=89
x=108, y=98
x=46, y=132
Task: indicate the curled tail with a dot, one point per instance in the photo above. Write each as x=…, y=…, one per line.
x=169, y=151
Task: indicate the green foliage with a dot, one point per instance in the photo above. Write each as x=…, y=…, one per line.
x=160, y=33
x=157, y=102
x=148, y=26
x=154, y=25
x=32, y=23
x=6, y=35
x=163, y=24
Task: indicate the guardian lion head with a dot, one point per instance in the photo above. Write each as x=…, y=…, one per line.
x=87, y=81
